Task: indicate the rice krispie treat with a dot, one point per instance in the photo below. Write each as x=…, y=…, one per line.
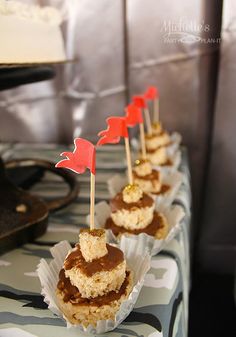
x=156, y=143
x=148, y=179
x=132, y=211
x=94, y=280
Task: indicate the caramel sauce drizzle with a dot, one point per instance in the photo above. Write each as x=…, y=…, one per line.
x=155, y=175
x=72, y=294
x=117, y=202
x=107, y=262
x=151, y=229
x=164, y=189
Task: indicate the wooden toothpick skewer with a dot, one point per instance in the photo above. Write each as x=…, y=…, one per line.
x=156, y=113
x=142, y=141
x=129, y=163
x=92, y=200
x=148, y=121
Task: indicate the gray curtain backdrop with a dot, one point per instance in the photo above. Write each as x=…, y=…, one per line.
x=120, y=48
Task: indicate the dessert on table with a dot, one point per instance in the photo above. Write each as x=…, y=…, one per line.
x=148, y=179
x=156, y=143
x=156, y=140
x=94, y=280
x=133, y=212
x=158, y=137
x=157, y=156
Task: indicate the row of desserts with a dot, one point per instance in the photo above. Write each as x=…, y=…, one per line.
x=135, y=208
x=95, y=280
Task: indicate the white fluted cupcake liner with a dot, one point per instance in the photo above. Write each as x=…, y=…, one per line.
x=173, y=214
x=174, y=180
x=138, y=260
x=176, y=140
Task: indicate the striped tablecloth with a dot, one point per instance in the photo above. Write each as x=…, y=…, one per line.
x=162, y=307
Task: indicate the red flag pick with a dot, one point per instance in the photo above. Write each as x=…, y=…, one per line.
x=83, y=156
x=151, y=93
x=116, y=128
x=139, y=101
x=133, y=115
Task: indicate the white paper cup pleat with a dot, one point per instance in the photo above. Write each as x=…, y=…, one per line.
x=138, y=260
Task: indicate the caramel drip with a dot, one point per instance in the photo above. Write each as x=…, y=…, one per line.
x=72, y=294
x=167, y=163
x=151, y=229
x=155, y=175
x=107, y=262
x=154, y=150
x=117, y=202
x=164, y=189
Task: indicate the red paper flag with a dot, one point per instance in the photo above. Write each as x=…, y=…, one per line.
x=83, y=156
x=140, y=102
x=151, y=93
x=116, y=128
x=133, y=115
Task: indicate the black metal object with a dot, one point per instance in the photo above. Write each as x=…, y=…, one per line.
x=24, y=177
x=42, y=166
x=11, y=77
x=23, y=217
